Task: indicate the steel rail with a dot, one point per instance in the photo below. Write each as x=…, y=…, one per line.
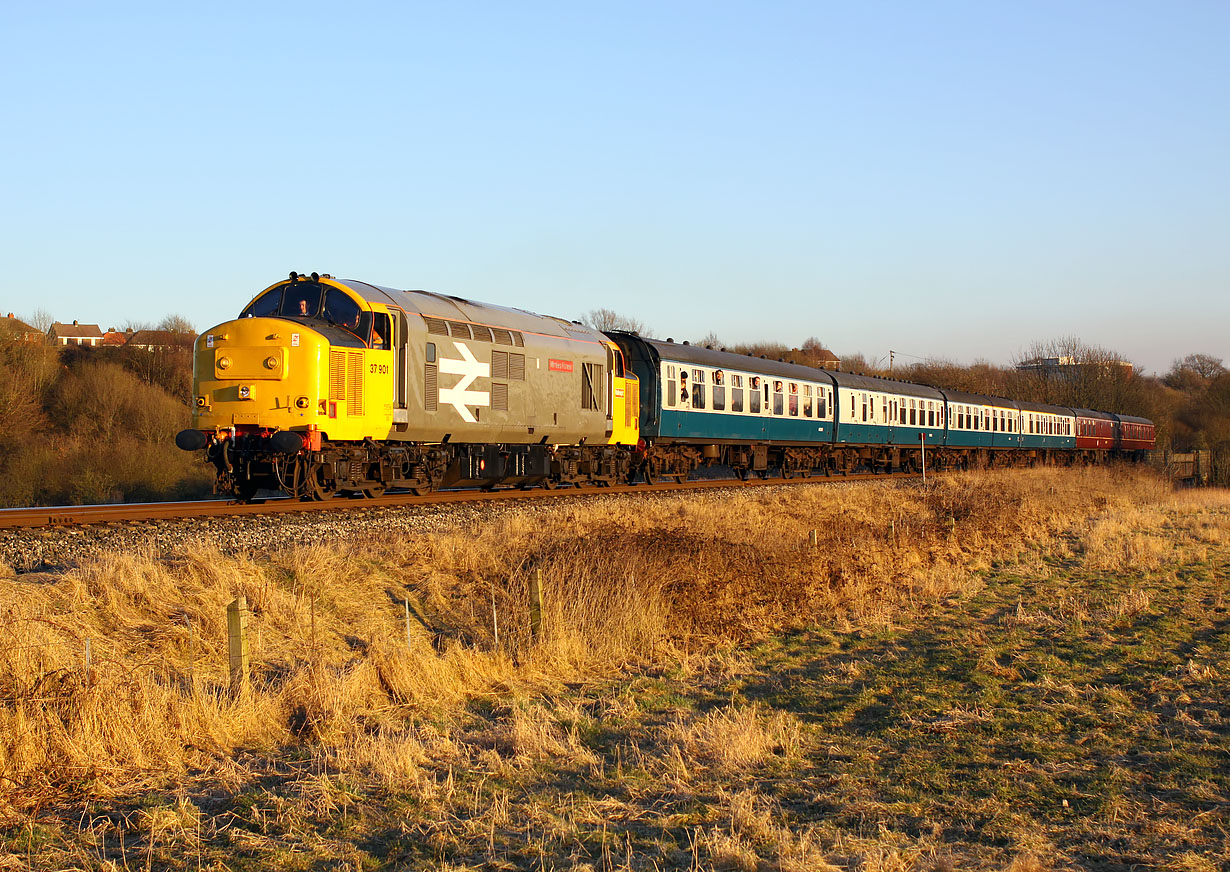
x=74, y=516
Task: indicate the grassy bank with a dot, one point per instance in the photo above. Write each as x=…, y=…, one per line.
x=710, y=691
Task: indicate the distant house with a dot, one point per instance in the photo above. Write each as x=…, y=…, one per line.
x=16, y=330
x=75, y=334
x=115, y=337
x=160, y=340
x=828, y=360
x=1066, y=366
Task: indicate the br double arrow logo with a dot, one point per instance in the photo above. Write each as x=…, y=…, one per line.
x=459, y=396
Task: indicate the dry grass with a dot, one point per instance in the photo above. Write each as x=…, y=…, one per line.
x=347, y=700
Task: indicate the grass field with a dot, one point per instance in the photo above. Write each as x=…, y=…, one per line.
x=1012, y=671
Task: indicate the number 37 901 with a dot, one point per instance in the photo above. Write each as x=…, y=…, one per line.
x=379, y=369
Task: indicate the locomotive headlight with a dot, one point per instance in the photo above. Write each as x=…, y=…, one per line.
x=224, y=363
x=302, y=402
x=200, y=402
x=271, y=362
x=245, y=392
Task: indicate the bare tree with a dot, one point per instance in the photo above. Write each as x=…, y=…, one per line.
x=176, y=324
x=40, y=319
x=608, y=319
x=770, y=350
x=1068, y=372
x=710, y=340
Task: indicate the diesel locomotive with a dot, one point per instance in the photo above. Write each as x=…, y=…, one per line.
x=325, y=386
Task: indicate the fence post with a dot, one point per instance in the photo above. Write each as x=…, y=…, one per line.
x=237, y=634
x=813, y=538
x=536, y=604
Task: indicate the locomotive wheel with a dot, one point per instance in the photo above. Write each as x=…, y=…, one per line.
x=375, y=490
x=245, y=491
x=318, y=487
x=651, y=472
x=743, y=473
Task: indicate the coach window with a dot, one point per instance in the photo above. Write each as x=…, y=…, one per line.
x=821, y=403
x=698, y=389
x=852, y=401
x=719, y=392
x=779, y=399
x=913, y=414
x=670, y=386
x=794, y=400
x=753, y=397
x=930, y=413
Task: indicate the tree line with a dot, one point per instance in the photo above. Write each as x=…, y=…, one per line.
x=81, y=425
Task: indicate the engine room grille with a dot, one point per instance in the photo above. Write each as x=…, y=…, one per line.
x=354, y=383
x=516, y=367
x=431, y=394
x=632, y=402
x=499, y=364
x=337, y=375
x=459, y=329
x=436, y=326
x=499, y=397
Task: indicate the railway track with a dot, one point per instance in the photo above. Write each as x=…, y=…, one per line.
x=73, y=516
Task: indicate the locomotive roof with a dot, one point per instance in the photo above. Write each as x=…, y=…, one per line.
x=452, y=308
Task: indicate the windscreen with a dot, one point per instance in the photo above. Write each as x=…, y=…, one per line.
x=314, y=301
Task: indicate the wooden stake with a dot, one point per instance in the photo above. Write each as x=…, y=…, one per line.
x=495, y=621
x=813, y=538
x=237, y=632
x=536, y=604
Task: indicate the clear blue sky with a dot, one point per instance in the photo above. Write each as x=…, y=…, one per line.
x=945, y=179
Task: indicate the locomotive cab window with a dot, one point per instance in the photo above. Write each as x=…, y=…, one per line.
x=265, y=305
x=381, y=332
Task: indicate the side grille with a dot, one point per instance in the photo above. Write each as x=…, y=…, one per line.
x=499, y=397
x=459, y=329
x=632, y=402
x=354, y=384
x=482, y=333
x=502, y=336
x=436, y=326
x=517, y=339
x=516, y=367
x=499, y=364
x=337, y=375
x=431, y=393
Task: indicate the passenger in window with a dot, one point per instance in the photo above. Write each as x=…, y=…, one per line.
x=684, y=396
x=717, y=377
